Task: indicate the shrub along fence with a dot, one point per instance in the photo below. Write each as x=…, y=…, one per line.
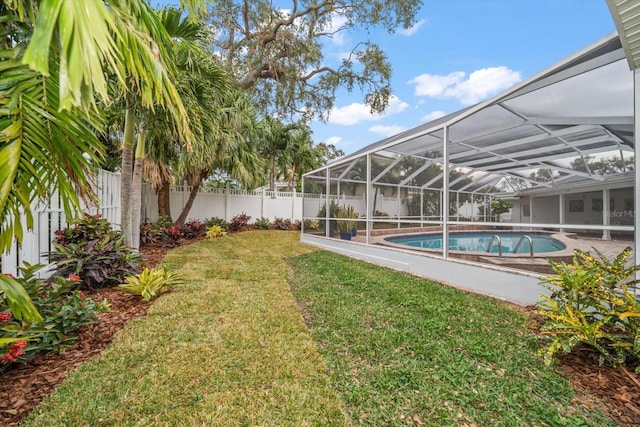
x=50, y=217
x=224, y=203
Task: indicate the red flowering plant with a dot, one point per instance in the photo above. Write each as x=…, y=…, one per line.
x=63, y=310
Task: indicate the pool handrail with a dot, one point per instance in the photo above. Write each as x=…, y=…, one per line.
x=497, y=239
x=522, y=239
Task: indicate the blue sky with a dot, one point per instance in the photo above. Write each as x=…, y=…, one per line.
x=459, y=53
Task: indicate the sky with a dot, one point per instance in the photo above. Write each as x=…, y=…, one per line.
x=459, y=53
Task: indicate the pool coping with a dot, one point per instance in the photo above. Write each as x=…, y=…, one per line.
x=567, y=239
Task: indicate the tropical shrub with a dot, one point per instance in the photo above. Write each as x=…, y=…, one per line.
x=281, y=223
x=239, y=222
x=296, y=225
x=311, y=224
x=262, y=224
x=209, y=222
x=89, y=227
x=193, y=229
x=151, y=283
x=163, y=222
x=63, y=308
x=593, y=304
x=98, y=263
x=215, y=231
x=149, y=234
x=171, y=236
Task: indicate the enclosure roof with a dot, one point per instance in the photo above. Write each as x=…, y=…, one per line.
x=569, y=123
x=626, y=15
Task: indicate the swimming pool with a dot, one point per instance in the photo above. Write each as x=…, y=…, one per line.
x=478, y=241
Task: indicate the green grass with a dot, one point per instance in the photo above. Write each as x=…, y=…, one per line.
x=229, y=348
x=403, y=350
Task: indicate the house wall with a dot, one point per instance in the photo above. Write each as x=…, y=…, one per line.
x=579, y=208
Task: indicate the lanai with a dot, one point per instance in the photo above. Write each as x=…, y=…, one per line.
x=567, y=129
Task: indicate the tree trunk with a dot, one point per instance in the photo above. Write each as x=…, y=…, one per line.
x=164, y=200
x=126, y=174
x=195, y=186
x=272, y=175
x=136, y=192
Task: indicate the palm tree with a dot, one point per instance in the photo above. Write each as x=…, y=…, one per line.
x=303, y=157
x=274, y=145
x=227, y=132
x=55, y=58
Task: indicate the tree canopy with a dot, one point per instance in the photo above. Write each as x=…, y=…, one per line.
x=277, y=53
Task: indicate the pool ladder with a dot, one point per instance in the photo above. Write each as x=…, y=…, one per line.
x=496, y=238
x=522, y=239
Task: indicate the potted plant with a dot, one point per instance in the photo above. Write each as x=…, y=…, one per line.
x=348, y=225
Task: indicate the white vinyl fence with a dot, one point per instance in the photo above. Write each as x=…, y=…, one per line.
x=226, y=203
x=48, y=218
x=222, y=203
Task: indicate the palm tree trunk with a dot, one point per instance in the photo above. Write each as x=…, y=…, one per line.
x=136, y=191
x=195, y=186
x=164, y=200
x=272, y=174
x=126, y=175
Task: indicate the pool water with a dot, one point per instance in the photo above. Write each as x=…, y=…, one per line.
x=478, y=241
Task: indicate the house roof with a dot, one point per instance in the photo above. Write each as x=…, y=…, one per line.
x=569, y=123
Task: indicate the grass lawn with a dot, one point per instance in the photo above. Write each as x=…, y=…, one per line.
x=229, y=347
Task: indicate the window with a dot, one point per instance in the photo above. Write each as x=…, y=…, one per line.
x=576, y=206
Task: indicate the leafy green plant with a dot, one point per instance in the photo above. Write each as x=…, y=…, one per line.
x=262, y=224
x=98, y=263
x=349, y=225
x=151, y=283
x=311, y=224
x=89, y=227
x=215, y=231
x=209, y=222
x=63, y=311
x=239, y=222
x=593, y=303
x=163, y=222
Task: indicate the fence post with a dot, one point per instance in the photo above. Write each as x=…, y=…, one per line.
x=293, y=205
x=226, y=203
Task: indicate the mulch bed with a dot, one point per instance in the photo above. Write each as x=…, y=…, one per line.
x=616, y=392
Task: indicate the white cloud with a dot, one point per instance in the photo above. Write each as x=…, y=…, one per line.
x=357, y=112
x=412, y=30
x=337, y=22
x=433, y=115
x=480, y=84
x=335, y=140
x=434, y=85
x=386, y=131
